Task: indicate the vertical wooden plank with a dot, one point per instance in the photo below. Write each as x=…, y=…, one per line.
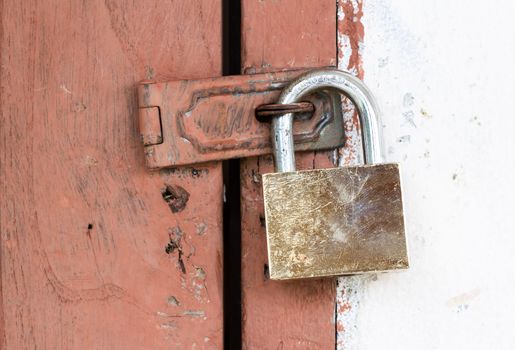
x=283, y=315
x=97, y=252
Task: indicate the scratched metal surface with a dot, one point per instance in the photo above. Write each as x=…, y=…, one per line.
x=338, y=221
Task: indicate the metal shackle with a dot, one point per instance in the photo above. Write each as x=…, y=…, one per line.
x=327, y=79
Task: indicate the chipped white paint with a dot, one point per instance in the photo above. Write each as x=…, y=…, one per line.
x=350, y=290
x=443, y=73
x=345, y=51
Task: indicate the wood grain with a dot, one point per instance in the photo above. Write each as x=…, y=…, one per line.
x=283, y=315
x=92, y=256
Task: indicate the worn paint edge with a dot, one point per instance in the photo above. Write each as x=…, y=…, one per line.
x=350, y=290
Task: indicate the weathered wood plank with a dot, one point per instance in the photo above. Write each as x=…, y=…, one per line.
x=283, y=315
x=84, y=226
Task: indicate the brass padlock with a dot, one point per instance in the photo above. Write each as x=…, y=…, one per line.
x=338, y=221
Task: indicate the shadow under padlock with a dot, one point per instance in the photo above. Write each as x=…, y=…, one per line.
x=338, y=221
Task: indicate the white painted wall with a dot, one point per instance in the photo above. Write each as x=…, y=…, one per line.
x=444, y=74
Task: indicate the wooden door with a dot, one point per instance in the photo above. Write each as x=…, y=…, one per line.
x=84, y=225
x=97, y=252
x=278, y=35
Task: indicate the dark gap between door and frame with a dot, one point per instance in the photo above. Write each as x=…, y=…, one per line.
x=231, y=62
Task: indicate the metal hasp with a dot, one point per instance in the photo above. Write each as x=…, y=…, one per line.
x=339, y=221
x=195, y=121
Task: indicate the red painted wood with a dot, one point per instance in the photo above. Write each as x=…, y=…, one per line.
x=83, y=223
x=298, y=314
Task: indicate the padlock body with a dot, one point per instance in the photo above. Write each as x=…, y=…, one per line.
x=331, y=222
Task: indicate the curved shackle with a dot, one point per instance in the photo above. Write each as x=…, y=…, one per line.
x=327, y=79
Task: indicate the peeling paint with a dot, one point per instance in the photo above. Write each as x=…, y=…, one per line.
x=173, y=301
x=194, y=313
x=201, y=228
x=168, y=325
x=176, y=197
x=198, y=283
x=454, y=59
x=350, y=291
x=350, y=40
x=350, y=36
x=175, y=236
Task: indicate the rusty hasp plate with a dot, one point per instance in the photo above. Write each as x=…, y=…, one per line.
x=194, y=121
x=338, y=221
